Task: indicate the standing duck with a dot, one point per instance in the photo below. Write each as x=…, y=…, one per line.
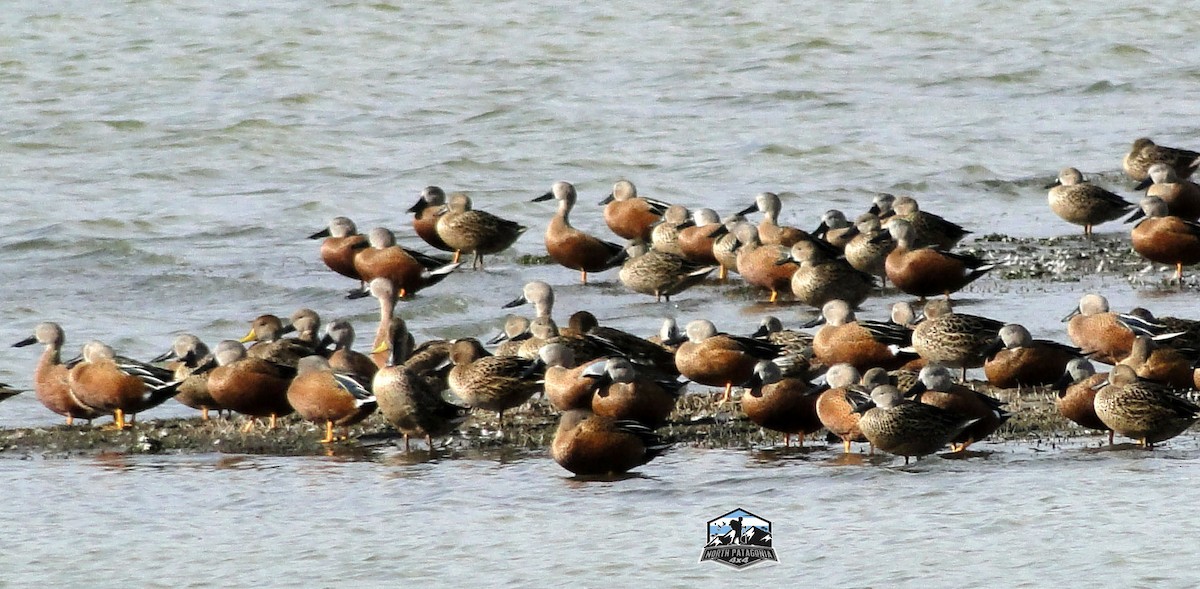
x=716, y=359
x=319, y=394
x=193, y=363
x=1083, y=203
x=759, y=263
x=665, y=235
x=492, y=383
x=833, y=407
x=1142, y=410
x=770, y=232
x=410, y=271
x=955, y=340
x=341, y=243
x=820, y=277
x=869, y=246
x=631, y=216
x=660, y=274
x=571, y=247
x=50, y=378
x=924, y=271
x=124, y=387
x=410, y=404
x=907, y=428
x=1165, y=239
x=425, y=216
x=474, y=232
x=785, y=405
x=252, y=386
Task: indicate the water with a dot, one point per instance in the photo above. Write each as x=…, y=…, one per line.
x=164, y=160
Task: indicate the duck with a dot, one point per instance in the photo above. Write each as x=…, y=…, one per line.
x=566, y=386
x=1145, y=411
x=924, y=271
x=384, y=291
x=425, y=216
x=1180, y=333
x=1082, y=203
x=537, y=293
x=1161, y=364
x=955, y=340
x=125, y=387
x=696, y=240
x=712, y=358
x=907, y=428
x=1182, y=196
x=770, y=232
x=758, y=263
x=267, y=333
x=319, y=394
x=1145, y=153
x=820, y=278
x=631, y=216
x=51, y=377
x=341, y=242
x=726, y=245
x=834, y=410
x=929, y=230
x=835, y=229
x=623, y=392
x=587, y=444
x=664, y=237
x=668, y=331
x=646, y=355
x=660, y=274
x=1103, y=335
x=429, y=362
x=409, y=403
x=785, y=405
x=409, y=270
x=253, y=386
x=1162, y=238
x=491, y=383
x=1076, y=394
x=1020, y=360
x=869, y=246
x=508, y=341
x=475, y=232
x=344, y=359
x=192, y=363
x=935, y=386
x=862, y=344
x=571, y=247
x=796, y=345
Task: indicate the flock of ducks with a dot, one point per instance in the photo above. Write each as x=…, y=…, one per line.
x=887, y=383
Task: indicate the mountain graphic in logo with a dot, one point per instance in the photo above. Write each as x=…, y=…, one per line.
x=739, y=539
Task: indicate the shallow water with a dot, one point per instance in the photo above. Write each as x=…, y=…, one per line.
x=164, y=161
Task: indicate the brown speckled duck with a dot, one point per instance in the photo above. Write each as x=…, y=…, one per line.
x=492, y=383
x=1142, y=410
x=474, y=232
x=1145, y=153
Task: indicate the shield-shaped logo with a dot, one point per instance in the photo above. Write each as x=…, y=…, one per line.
x=739, y=539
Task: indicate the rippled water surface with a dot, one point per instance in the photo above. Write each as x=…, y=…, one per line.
x=164, y=160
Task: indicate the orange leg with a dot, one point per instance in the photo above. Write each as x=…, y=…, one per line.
x=203, y=413
x=725, y=398
x=328, y=432
x=722, y=273
x=70, y=420
x=774, y=295
x=583, y=276
x=403, y=293
x=846, y=446
x=457, y=255
x=1179, y=274
x=271, y=424
x=118, y=420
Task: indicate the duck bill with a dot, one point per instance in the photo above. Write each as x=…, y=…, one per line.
x=861, y=407
x=915, y=390
x=416, y=209
x=249, y=337
x=1144, y=184
x=544, y=197
x=784, y=259
x=321, y=234
x=168, y=355
x=1073, y=313
x=517, y=302
x=606, y=199
x=1056, y=182
x=750, y=209
x=719, y=231
x=820, y=320
x=760, y=332
x=686, y=224
x=821, y=229
x=29, y=341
